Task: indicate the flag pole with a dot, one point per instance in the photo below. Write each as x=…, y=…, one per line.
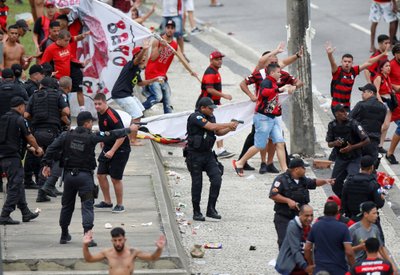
x=180, y=57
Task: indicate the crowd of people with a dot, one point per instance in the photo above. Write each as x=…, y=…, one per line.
x=36, y=119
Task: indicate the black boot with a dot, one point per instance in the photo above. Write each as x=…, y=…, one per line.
x=27, y=215
x=197, y=216
x=65, y=236
x=6, y=219
x=211, y=211
x=42, y=197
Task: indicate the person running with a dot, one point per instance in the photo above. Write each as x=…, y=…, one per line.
x=121, y=258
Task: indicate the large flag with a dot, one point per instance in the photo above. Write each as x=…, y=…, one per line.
x=109, y=46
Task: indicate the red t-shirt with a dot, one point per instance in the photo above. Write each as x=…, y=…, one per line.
x=75, y=29
x=268, y=98
x=160, y=66
x=61, y=57
x=3, y=17
x=373, y=69
x=396, y=111
x=394, y=72
x=386, y=85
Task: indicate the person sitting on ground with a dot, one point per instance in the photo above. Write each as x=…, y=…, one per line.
x=121, y=258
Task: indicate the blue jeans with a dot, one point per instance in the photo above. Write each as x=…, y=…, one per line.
x=159, y=92
x=266, y=127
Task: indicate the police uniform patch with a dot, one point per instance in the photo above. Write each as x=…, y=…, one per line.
x=101, y=134
x=360, y=128
x=277, y=183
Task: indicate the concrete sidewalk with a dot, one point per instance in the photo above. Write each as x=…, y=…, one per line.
x=34, y=246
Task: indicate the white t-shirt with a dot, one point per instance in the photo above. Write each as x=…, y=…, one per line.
x=170, y=8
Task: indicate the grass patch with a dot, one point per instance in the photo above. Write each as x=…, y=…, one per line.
x=26, y=41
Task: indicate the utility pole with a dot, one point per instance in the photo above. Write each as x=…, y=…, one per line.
x=302, y=132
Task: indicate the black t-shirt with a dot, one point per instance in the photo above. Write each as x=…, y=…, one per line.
x=38, y=29
x=127, y=79
x=111, y=120
x=45, y=43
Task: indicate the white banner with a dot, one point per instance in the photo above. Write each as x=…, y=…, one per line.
x=109, y=46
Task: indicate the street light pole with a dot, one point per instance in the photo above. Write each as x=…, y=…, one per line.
x=302, y=132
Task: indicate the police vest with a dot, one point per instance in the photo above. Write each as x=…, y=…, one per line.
x=6, y=93
x=31, y=87
x=295, y=191
x=5, y=122
x=45, y=108
x=78, y=151
x=344, y=132
x=360, y=188
x=373, y=116
x=199, y=139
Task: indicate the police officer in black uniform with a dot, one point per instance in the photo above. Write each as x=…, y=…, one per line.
x=45, y=109
x=347, y=137
x=370, y=113
x=201, y=131
x=289, y=191
x=78, y=160
x=36, y=74
x=14, y=135
x=360, y=188
x=8, y=90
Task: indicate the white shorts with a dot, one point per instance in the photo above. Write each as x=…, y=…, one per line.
x=131, y=105
x=188, y=5
x=378, y=9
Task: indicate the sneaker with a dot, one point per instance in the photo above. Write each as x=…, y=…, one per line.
x=263, y=168
x=196, y=31
x=392, y=159
x=381, y=150
x=247, y=167
x=225, y=154
x=65, y=238
x=118, y=209
x=272, y=169
x=185, y=39
x=103, y=204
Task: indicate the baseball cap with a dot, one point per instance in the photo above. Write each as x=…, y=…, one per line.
x=338, y=107
x=170, y=22
x=50, y=3
x=7, y=73
x=367, y=161
x=16, y=101
x=368, y=87
x=335, y=199
x=366, y=207
x=22, y=24
x=206, y=102
x=84, y=116
x=296, y=162
x=136, y=50
x=36, y=69
x=216, y=54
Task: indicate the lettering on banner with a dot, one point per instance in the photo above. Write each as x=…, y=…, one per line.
x=67, y=3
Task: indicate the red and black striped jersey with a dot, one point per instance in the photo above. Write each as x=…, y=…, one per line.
x=211, y=79
x=258, y=76
x=369, y=266
x=373, y=69
x=342, y=85
x=268, y=98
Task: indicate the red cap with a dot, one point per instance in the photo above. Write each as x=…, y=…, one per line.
x=335, y=199
x=216, y=54
x=136, y=50
x=50, y=3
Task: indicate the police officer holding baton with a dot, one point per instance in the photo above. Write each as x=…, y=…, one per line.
x=201, y=131
x=290, y=191
x=77, y=149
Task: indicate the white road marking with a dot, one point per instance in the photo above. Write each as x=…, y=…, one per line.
x=314, y=6
x=360, y=28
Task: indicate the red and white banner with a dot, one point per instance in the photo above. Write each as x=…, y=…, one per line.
x=108, y=47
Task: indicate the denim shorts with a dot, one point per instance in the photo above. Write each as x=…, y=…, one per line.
x=398, y=127
x=266, y=127
x=131, y=105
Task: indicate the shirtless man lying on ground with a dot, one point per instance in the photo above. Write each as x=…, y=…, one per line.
x=121, y=258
